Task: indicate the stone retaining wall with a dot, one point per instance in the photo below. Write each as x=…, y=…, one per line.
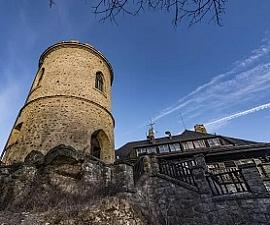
x=44, y=184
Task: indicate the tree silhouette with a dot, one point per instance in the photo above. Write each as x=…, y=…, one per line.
x=192, y=11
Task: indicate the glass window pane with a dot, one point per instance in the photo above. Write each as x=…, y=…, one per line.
x=217, y=141
x=214, y=142
x=163, y=148
x=151, y=150
x=99, y=81
x=175, y=147
x=199, y=144
x=172, y=147
x=140, y=151
x=188, y=145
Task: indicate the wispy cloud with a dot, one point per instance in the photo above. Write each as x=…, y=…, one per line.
x=244, y=83
x=256, y=54
x=15, y=73
x=10, y=99
x=239, y=114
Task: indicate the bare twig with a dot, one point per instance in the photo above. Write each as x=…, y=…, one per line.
x=51, y=3
x=193, y=11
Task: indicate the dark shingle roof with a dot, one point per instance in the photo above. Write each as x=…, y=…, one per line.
x=124, y=151
x=238, y=141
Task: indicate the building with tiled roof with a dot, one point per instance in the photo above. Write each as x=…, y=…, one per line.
x=220, y=152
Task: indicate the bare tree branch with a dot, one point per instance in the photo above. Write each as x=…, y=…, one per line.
x=51, y=3
x=193, y=11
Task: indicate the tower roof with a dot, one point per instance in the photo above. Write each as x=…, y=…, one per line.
x=75, y=43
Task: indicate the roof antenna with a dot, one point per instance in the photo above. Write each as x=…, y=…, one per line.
x=151, y=123
x=151, y=132
x=183, y=122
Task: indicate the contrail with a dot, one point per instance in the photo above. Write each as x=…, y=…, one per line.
x=239, y=67
x=236, y=115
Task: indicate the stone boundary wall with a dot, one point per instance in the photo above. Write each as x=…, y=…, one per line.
x=161, y=200
x=177, y=203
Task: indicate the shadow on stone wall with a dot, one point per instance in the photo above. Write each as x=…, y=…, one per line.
x=62, y=177
x=68, y=182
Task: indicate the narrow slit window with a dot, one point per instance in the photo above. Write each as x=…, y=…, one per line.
x=99, y=81
x=18, y=126
x=40, y=76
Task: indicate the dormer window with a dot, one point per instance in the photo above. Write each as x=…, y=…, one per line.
x=188, y=145
x=199, y=144
x=213, y=142
x=99, y=81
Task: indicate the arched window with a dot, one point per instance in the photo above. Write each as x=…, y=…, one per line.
x=99, y=81
x=101, y=146
x=95, y=146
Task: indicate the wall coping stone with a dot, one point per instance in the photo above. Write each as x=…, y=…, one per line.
x=247, y=165
x=243, y=195
x=175, y=181
x=122, y=162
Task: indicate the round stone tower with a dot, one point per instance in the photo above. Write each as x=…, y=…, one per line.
x=69, y=103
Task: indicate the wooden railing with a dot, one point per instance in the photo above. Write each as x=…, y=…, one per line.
x=176, y=170
x=263, y=172
x=227, y=182
x=223, y=170
x=188, y=163
x=138, y=169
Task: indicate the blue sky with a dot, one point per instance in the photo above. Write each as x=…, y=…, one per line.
x=204, y=72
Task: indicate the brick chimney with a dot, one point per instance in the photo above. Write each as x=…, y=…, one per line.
x=151, y=134
x=200, y=128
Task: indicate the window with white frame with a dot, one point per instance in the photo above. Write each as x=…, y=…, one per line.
x=175, y=147
x=141, y=151
x=163, y=148
x=188, y=145
x=199, y=144
x=229, y=164
x=151, y=149
x=213, y=166
x=213, y=142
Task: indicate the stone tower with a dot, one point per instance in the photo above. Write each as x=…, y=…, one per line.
x=69, y=103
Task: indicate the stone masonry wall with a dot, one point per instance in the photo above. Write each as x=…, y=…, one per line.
x=53, y=121
x=63, y=176
x=71, y=71
x=63, y=106
x=171, y=201
x=164, y=202
x=63, y=187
